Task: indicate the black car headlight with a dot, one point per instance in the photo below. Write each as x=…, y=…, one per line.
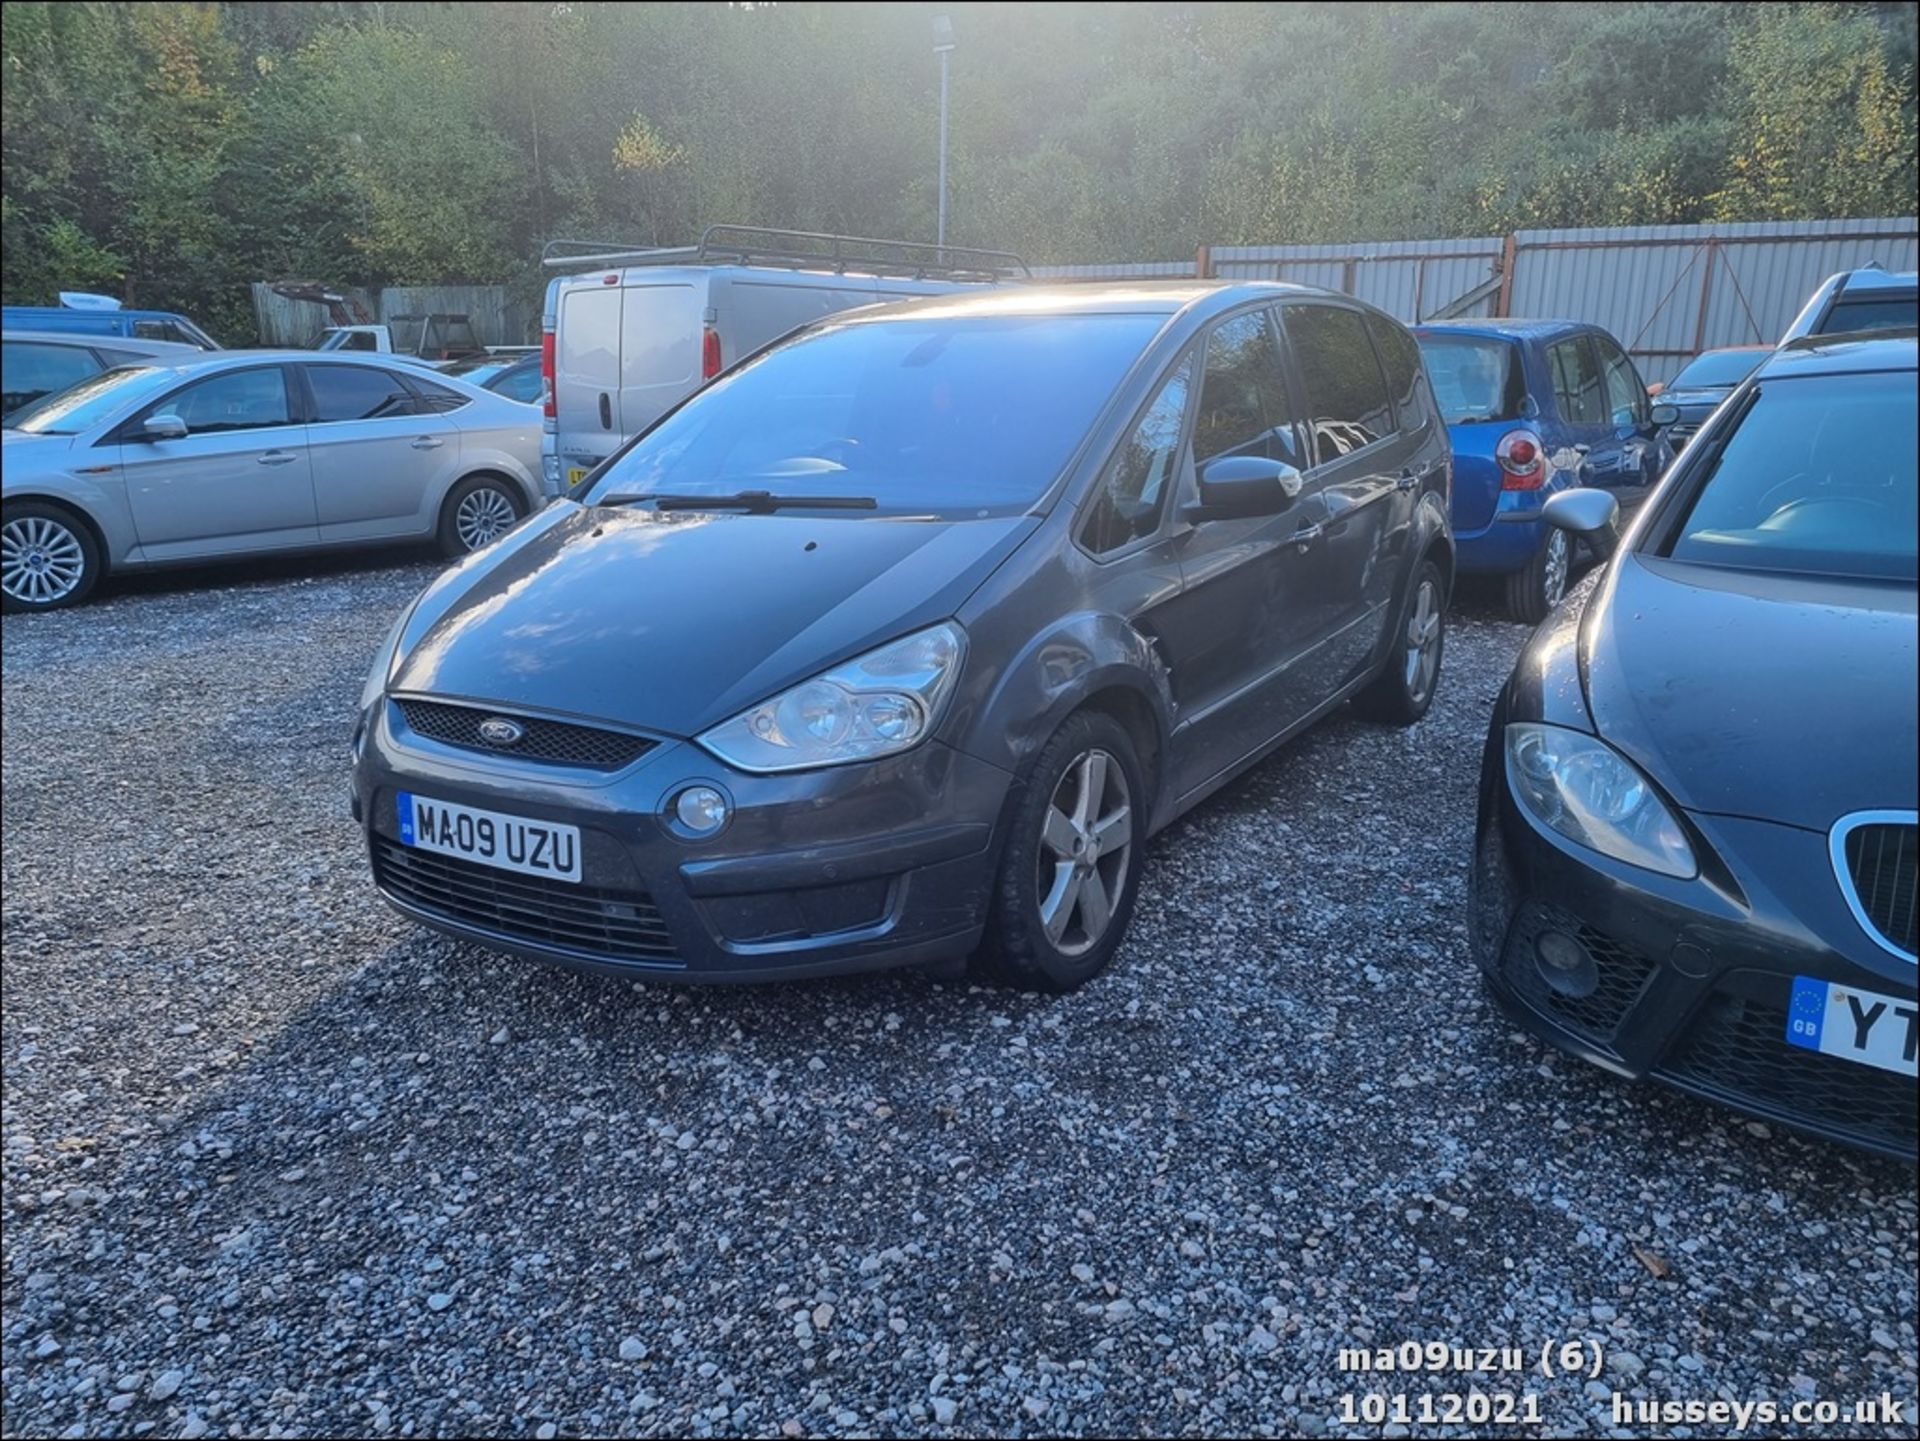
x=1582, y=788
x=885, y=701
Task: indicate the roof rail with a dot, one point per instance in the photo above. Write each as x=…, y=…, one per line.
x=796, y=250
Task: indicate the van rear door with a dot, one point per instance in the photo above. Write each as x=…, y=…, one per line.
x=586, y=377
x=660, y=347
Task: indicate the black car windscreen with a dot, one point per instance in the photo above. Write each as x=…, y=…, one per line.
x=1817, y=478
x=927, y=413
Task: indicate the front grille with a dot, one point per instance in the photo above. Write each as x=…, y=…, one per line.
x=585, y=920
x=1737, y=1047
x=1623, y=972
x=1881, y=861
x=554, y=741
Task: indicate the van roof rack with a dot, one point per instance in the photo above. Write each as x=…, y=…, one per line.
x=796, y=250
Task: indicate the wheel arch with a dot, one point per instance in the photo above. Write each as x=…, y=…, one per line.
x=66, y=506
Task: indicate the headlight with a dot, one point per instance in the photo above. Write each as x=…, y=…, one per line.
x=887, y=700
x=1590, y=793
x=383, y=662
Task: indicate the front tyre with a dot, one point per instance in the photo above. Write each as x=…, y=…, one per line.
x=1071, y=867
x=47, y=558
x=1402, y=693
x=478, y=511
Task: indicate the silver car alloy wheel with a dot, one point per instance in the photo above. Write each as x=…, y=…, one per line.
x=483, y=517
x=1086, y=847
x=41, y=560
x=1559, y=562
x=1423, y=641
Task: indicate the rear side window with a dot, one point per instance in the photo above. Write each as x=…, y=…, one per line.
x=357, y=392
x=31, y=371
x=1347, y=406
x=1876, y=313
x=436, y=398
x=1244, y=408
x=235, y=400
x=1400, y=354
x=1132, y=495
x=1578, y=390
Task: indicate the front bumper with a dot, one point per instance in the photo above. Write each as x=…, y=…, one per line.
x=1693, y=976
x=844, y=869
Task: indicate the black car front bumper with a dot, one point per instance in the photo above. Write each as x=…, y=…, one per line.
x=1693, y=977
x=826, y=872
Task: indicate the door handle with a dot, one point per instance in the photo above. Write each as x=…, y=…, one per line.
x=427, y=442
x=278, y=457
x=1408, y=481
x=606, y=412
x=1308, y=534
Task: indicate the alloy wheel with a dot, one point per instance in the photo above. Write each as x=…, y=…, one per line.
x=1086, y=847
x=1423, y=641
x=41, y=560
x=483, y=517
x=1554, y=573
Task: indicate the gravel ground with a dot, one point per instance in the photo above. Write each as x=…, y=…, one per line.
x=278, y=1162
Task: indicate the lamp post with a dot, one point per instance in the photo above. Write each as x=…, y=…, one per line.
x=943, y=47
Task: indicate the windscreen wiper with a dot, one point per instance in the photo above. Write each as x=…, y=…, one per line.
x=756, y=501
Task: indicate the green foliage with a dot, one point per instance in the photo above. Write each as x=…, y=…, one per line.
x=173, y=151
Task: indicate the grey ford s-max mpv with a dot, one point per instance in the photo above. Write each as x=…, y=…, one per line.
x=895, y=643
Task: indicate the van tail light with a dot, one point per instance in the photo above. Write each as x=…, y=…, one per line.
x=547, y=407
x=709, y=353
x=1523, y=461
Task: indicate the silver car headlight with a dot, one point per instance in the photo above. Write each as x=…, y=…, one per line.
x=1587, y=791
x=885, y=701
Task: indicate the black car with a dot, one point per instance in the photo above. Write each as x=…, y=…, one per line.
x=1696, y=844
x=905, y=633
x=1687, y=400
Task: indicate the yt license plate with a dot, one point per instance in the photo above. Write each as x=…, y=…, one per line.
x=491, y=838
x=1853, y=1024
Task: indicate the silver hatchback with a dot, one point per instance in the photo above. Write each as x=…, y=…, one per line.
x=246, y=452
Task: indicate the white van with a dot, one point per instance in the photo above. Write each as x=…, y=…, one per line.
x=642, y=329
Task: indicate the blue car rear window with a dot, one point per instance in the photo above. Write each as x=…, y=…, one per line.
x=1475, y=377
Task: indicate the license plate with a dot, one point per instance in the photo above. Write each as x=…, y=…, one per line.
x=575, y=474
x=1854, y=1025
x=490, y=838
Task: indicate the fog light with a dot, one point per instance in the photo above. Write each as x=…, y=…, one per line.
x=701, y=809
x=1565, y=965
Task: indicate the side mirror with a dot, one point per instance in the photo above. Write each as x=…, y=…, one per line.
x=1581, y=511
x=164, y=427
x=1665, y=414
x=1244, y=485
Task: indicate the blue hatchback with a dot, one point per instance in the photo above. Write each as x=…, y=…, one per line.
x=1533, y=407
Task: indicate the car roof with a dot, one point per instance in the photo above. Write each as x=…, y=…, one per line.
x=1877, y=279
x=1732, y=350
x=1875, y=350
x=1202, y=298
x=1504, y=329
x=89, y=339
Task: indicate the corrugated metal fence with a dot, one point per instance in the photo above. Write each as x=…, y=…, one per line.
x=497, y=319
x=1667, y=291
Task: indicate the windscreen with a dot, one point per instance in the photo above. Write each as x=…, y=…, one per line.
x=1891, y=312
x=924, y=413
x=1475, y=377
x=1718, y=368
x=84, y=405
x=1818, y=477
